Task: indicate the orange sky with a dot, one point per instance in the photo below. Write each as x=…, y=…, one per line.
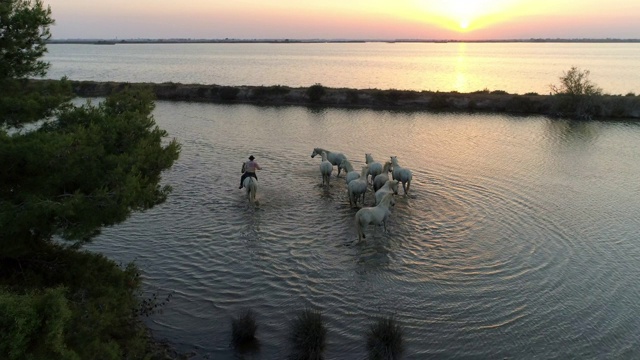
x=346, y=19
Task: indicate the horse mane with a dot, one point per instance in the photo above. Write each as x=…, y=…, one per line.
x=386, y=199
x=347, y=165
x=363, y=172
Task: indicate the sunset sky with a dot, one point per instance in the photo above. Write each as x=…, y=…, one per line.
x=345, y=19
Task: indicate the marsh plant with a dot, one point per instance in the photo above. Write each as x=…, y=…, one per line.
x=308, y=335
x=384, y=339
x=243, y=329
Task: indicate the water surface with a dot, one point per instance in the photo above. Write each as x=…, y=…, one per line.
x=464, y=67
x=519, y=238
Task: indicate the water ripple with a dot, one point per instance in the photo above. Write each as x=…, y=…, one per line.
x=489, y=254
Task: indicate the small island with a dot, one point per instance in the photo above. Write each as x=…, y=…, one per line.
x=559, y=104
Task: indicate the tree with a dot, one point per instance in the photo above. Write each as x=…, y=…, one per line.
x=578, y=97
x=575, y=82
x=79, y=168
x=24, y=30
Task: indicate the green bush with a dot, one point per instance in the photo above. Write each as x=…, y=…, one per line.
x=75, y=304
x=34, y=325
x=384, y=339
x=308, y=335
x=263, y=92
x=352, y=96
x=520, y=104
x=316, y=92
x=439, y=101
x=228, y=93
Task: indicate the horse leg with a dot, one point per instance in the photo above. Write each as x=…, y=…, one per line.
x=408, y=185
x=359, y=229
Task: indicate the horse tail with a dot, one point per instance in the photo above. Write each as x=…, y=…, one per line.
x=409, y=177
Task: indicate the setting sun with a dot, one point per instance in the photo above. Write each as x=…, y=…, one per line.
x=464, y=15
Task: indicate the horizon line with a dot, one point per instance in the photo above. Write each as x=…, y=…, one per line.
x=285, y=40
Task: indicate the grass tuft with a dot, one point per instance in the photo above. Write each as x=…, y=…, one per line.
x=308, y=335
x=243, y=329
x=384, y=339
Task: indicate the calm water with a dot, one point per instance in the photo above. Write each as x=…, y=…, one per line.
x=519, y=239
x=513, y=67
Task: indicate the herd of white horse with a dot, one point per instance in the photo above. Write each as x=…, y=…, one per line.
x=373, y=173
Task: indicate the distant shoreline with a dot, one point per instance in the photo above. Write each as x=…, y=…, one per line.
x=320, y=41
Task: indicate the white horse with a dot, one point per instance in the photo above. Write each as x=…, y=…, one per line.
x=379, y=181
x=375, y=168
x=391, y=186
x=401, y=174
x=351, y=173
x=334, y=157
x=376, y=215
x=325, y=169
x=251, y=186
x=358, y=187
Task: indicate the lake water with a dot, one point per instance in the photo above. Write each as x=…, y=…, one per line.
x=464, y=67
x=519, y=239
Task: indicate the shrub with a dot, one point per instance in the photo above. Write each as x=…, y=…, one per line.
x=308, y=335
x=520, y=104
x=89, y=306
x=228, y=93
x=353, y=97
x=484, y=91
x=532, y=94
x=439, y=102
x=577, y=96
x=499, y=92
x=631, y=94
x=384, y=339
x=575, y=82
x=261, y=92
x=243, y=329
x=35, y=324
x=316, y=92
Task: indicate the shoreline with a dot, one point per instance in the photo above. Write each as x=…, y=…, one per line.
x=606, y=106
